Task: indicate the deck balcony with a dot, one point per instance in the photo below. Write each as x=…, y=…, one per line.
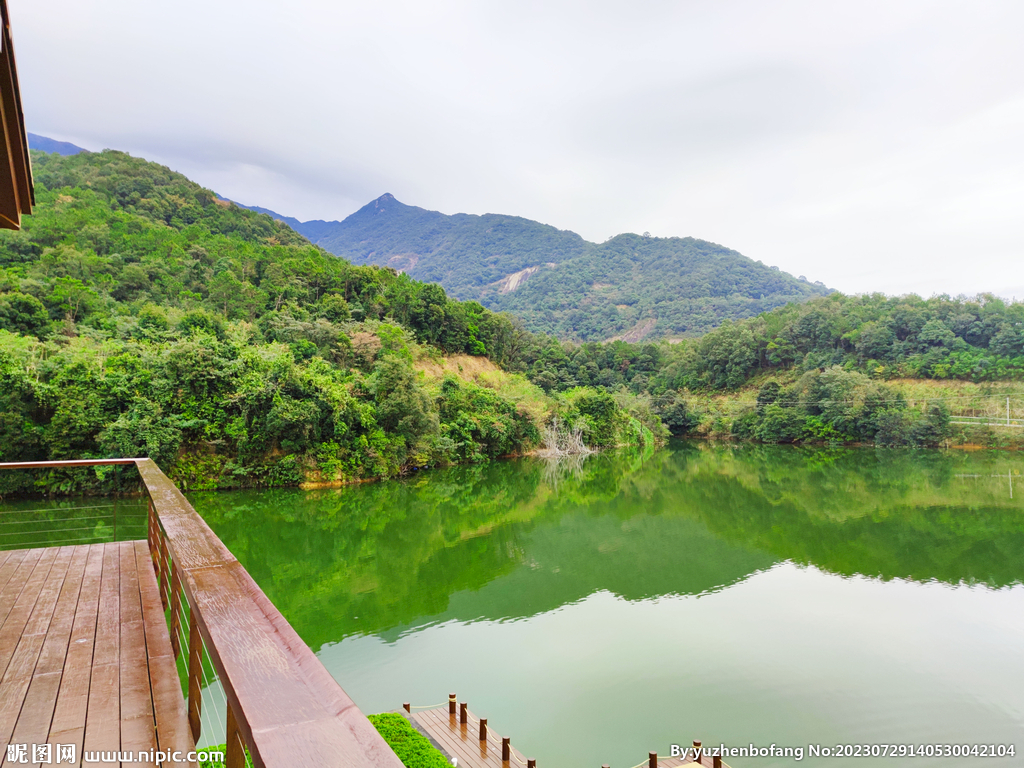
x=110, y=648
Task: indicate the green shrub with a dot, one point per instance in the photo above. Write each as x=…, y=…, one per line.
x=478, y=423
x=412, y=747
x=600, y=413
x=676, y=415
x=779, y=424
x=744, y=426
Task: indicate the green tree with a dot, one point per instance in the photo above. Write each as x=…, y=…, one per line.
x=23, y=314
x=403, y=407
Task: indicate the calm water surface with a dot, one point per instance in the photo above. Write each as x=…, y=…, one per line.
x=739, y=595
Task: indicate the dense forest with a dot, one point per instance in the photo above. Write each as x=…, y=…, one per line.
x=631, y=286
x=821, y=369
x=638, y=287
x=979, y=339
x=140, y=315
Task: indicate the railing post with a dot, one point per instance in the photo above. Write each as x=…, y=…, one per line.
x=407, y=706
x=195, y=677
x=506, y=749
x=483, y=729
x=235, y=756
x=531, y=762
x=154, y=536
x=652, y=759
x=716, y=761
x=463, y=713
x=175, y=610
x=165, y=576
x=451, y=703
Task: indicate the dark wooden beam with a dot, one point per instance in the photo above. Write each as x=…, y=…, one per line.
x=17, y=195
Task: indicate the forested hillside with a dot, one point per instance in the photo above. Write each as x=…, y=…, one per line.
x=631, y=286
x=140, y=315
x=942, y=338
x=838, y=369
x=466, y=254
x=980, y=339
x=638, y=287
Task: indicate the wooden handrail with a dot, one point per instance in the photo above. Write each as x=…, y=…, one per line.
x=285, y=706
x=70, y=463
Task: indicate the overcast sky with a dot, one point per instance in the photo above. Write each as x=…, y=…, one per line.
x=869, y=145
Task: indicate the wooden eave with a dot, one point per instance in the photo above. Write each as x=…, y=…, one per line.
x=16, y=193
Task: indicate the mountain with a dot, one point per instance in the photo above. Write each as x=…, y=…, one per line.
x=44, y=144
x=635, y=287
x=291, y=221
x=469, y=255
x=311, y=230
x=630, y=287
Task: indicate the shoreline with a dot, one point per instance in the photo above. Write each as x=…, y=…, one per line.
x=538, y=453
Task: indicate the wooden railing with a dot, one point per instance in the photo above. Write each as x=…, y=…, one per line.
x=283, y=706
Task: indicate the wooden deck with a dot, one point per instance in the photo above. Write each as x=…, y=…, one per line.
x=463, y=741
x=85, y=653
x=282, y=705
x=673, y=762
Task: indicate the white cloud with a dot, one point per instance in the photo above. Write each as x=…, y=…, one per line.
x=873, y=146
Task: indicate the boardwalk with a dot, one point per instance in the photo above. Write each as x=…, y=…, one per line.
x=85, y=654
x=672, y=762
x=462, y=741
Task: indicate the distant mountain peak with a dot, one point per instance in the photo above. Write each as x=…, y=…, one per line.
x=384, y=202
x=46, y=144
x=630, y=287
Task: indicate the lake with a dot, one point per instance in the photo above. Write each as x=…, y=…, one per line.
x=596, y=610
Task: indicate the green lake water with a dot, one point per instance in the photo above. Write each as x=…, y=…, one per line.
x=598, y=610
x=740, y=595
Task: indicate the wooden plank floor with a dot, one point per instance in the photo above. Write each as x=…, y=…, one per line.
x=463, y=741
x=85, y=656
x=673, y=762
